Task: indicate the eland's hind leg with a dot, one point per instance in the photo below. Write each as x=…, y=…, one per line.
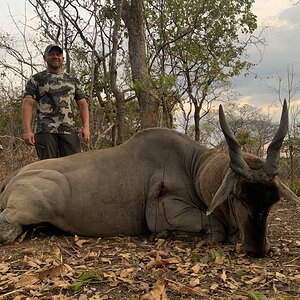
x=32, y=197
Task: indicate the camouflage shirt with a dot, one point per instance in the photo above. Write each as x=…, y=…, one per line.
x=54, y=95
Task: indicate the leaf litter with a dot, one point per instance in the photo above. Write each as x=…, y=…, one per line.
x=43, y=265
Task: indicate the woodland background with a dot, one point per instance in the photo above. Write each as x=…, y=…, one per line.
x=145, y=64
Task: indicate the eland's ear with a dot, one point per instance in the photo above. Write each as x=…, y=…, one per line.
x=224, y=190
x=285, y=192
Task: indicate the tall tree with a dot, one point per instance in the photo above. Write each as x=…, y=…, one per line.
x=201, y=43
x=134, y=18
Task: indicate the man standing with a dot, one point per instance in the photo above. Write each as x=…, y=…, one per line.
x=54, y=94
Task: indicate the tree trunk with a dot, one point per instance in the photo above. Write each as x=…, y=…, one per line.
x=133, y=16
x=119, y=95
x=197, y=122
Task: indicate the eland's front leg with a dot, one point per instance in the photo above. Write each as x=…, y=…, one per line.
x=169, y=214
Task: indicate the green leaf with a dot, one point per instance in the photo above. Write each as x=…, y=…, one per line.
x=256, y=296
x=77, y=286
x=84, y=278
x=204, y=259
x=89, y=275
x=214, y=253
x=240, y=272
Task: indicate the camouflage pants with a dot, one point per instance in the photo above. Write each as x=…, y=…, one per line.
x=51, y=145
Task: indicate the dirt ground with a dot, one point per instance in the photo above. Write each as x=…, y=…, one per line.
x=47, y=264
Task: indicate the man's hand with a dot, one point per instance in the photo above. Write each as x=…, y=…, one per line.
x=85, y=134
x=28, y=138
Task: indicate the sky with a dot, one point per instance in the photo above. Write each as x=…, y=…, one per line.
x=282, y=50
x=281, y=53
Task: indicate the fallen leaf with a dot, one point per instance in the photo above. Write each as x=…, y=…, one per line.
x=153, y=263
x=157, y=293
x=125, y=255
x=279, y=275
x=223, y=275
x=194, y=282
x=184, y=289
x=27, y=281
x=33, y=262
x=126, y=280
x=60, y=283
x=4, y=267
x=60, y=297
x=105, y=260
x=196, y=268
x=126, y=272
x=256, y=296
x=240, y=272
x=157, y=254
x=57, y=270
x=84, y=278
x=90, y=275
x=79, y=242
x=214, y=286
x=254, y=280
x=219, y=260
x=231, y=285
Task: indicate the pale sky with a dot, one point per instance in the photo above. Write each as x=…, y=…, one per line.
x=267, y=9
x=281, y=52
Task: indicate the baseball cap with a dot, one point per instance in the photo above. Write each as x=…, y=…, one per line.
x=52, y=47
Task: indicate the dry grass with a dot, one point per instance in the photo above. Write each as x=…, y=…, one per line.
x=14, y=155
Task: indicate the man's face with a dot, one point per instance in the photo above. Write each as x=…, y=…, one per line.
x=54, y=59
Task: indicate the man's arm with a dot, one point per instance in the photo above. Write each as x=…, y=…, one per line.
x=27, y=110
x=85, y=118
